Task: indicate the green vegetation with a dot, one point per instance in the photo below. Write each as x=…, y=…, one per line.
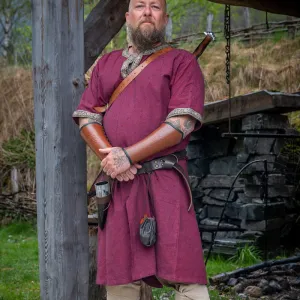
x=247, y=255
x=187, y=17
x=19, y=276
x=19, y=279
x=19, y=151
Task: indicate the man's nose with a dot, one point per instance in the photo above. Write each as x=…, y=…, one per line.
x=147, y=10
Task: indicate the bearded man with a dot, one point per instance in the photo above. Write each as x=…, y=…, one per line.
x=141, y=140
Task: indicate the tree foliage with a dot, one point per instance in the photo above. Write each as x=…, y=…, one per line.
x=188, y=16
x=15, y=28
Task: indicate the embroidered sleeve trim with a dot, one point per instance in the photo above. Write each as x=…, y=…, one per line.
x=86, y=114
x=185, y=111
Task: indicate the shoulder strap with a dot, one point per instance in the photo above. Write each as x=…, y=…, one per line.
x=130, y=78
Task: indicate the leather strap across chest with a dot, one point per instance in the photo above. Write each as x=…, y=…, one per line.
x=130, y=78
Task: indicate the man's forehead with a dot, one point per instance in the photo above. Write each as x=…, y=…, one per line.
x=163, y=2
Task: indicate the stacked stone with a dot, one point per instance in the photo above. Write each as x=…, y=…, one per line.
x=213, y=164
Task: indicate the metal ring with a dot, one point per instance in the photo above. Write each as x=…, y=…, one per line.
x=175, y=157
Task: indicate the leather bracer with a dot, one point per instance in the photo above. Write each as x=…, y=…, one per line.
x=94, y=136
x=162, y=138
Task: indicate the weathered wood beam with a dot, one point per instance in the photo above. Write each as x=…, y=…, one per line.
x=102, y=24
x=274, y=6
x=58, y=68
x=257, y=102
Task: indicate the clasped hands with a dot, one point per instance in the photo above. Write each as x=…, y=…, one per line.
x=117, y=165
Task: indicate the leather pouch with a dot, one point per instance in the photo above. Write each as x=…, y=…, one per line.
x=148, y=231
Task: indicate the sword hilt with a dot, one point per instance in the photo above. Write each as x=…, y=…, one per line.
x=209, y=36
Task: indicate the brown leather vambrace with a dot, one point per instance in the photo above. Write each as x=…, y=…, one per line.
x=94, y=136
x=165, y=136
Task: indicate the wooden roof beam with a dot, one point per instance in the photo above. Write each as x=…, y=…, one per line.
x=290, y=8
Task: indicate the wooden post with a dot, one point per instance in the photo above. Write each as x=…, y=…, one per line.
x=169, y=30
x=210, y=18
x=96, y=292
x=247, y=22
x=58, y=67
x=14, y=184
x=291, y=29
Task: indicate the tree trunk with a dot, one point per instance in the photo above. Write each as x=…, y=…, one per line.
x=7, y=35
x=102, y=24
x=58, y=76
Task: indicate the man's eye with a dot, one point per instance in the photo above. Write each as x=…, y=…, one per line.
x=139, y=6
x=156, y=7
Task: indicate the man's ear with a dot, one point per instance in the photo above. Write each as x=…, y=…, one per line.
x=166, y=19
x=126, y=15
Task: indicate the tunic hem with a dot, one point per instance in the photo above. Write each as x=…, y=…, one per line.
x=185, y=280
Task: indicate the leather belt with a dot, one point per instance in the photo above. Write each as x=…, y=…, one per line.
x=168, y=162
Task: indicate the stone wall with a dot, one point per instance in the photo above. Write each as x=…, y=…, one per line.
x=213, y=163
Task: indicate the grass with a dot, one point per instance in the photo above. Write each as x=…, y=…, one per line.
x=19, y=276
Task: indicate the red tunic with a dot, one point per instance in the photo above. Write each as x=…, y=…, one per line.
x=171, y=85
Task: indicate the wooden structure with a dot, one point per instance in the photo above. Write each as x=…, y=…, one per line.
x=60, y=154
x=289, y=7
x=63, y=48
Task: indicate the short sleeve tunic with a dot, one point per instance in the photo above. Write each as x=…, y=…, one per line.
x=171, y=85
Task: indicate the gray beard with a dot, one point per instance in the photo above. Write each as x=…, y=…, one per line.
x=146, y=40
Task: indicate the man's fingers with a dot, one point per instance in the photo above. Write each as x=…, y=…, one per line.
x=133, y=170
x=129, y=174
x=138, y=166
x=115, y=174
x=106, y=150
x=122, y=175
x=119, y=177
x=103, y=162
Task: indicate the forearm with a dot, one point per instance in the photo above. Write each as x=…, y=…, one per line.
x=94, y=135
x=167, y=135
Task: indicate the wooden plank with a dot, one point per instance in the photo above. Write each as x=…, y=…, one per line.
x=273, y=6
x=96, y=292
x=58, y=68
x=258, y=102
x=102, y=24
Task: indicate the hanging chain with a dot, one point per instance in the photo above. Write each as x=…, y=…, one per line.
x=227, y=28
